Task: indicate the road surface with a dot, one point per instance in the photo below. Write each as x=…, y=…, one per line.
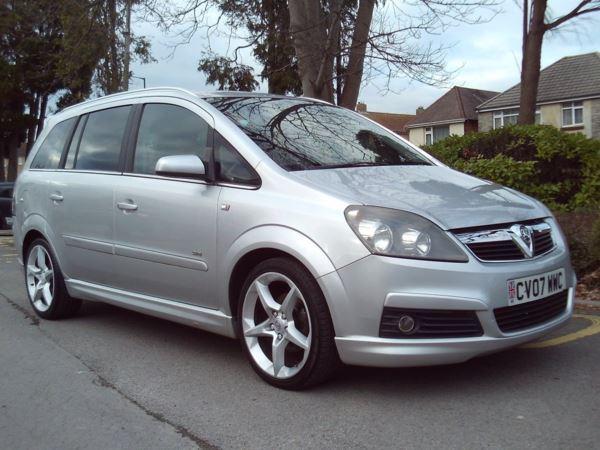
x=110, y=378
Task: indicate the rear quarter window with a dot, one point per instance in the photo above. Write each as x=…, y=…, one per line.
x=48, y=156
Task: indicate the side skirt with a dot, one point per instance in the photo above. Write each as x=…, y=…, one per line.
x=196, y=316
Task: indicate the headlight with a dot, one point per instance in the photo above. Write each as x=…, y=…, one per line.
x=391, y=232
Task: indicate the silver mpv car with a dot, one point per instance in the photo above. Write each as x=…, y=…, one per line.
x=308, y=231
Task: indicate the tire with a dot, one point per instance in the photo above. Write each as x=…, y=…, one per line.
x=290, y=319
x=45, y=283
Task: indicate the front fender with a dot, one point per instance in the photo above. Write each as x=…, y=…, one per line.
x=276, y=237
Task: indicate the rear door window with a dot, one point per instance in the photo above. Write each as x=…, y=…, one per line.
x=48, y=156
x=100, y=146
x=167, y=130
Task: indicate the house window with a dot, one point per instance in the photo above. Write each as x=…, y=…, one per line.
x=510, y=117
x=505, y=117
x=572, y=114
x=436, y=134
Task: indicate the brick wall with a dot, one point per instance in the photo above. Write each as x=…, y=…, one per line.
x=486, y=121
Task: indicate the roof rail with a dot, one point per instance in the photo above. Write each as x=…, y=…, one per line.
x=127, y=93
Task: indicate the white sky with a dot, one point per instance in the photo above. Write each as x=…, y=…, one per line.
x=486, y=56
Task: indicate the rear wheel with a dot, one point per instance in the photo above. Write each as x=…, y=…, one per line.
x=285, y=325
x=45, y=283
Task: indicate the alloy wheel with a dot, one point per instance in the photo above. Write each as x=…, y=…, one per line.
x=40, y=278
x=276, y=325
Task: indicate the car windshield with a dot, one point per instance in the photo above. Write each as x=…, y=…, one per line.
x=300, y=134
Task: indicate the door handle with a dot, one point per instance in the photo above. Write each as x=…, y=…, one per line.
x=126, y=206
x=56, y=197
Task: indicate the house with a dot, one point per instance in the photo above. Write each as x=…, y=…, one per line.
x=453, y=113
x=568, y=98
x=395, y=122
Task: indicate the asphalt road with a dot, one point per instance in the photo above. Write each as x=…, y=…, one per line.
x=110, y=378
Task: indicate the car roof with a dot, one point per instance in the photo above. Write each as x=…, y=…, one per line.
x=179, y=92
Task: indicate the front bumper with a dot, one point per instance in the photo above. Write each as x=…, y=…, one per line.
x=357, y=294
x=380, y=352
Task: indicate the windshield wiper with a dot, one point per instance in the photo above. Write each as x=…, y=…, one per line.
x=368, y=164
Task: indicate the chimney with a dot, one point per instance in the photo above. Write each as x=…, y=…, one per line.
x=420, y=109
x=361, y=107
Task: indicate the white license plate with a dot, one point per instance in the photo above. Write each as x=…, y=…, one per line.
x=535, y=287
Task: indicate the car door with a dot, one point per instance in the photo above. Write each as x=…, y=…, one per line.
x=82, y=195
x=165, y=228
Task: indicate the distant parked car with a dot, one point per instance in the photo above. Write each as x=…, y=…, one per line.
x=6, y=191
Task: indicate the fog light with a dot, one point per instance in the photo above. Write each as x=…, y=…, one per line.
x=406, y=324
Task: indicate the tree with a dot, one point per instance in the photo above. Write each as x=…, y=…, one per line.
x=329, y=48
x=112, y=72
x=46, y=48
x=385, y=39
x=228, y=75
x=265, y=28
x=536, y=23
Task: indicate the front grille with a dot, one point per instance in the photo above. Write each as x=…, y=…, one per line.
x=527, y=315
x=542, y=242
x=497, y=251
x=430, y=323
x=497, y=244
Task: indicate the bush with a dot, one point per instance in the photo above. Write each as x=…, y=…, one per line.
x=582, y=231
x=560, y=169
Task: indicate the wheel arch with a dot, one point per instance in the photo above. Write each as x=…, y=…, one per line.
x=267, y=242
x=35, y=226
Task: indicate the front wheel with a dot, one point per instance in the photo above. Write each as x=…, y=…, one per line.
x=285, y=325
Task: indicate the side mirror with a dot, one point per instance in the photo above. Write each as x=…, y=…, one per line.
x=180, y=166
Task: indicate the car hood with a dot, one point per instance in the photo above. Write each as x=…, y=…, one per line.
x=450, y=198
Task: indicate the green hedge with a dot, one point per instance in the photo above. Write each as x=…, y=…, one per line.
x=560, y=169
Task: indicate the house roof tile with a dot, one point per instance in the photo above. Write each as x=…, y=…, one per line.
x=395, y=122
x=570, y=77
x=457, y=104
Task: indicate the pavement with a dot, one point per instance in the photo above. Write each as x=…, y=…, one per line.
x=110, y=378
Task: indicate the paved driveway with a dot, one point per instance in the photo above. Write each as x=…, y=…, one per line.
x=110, y=378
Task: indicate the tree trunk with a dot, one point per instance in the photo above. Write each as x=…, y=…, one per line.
x=308, y=43
x=314, y=40
x=34, y=110
x=358, y=50
x=13, y=157
x=113, y=74
x=42, y=115
x=338, y=73
x=533, y=37
x=3, y=158
x=127, y=38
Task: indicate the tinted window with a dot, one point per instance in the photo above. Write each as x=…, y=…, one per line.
x=100, y=145
x=168, y=130
x=300, y=134
x=72, y=152
x=230, y=166
x=48, y=156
